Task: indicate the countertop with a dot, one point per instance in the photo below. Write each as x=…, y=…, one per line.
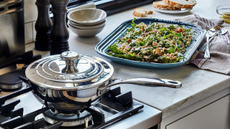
x=197, y=84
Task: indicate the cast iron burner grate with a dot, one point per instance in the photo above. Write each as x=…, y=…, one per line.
x=114, y=106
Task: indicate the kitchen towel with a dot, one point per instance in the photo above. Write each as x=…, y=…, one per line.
x=219, y=46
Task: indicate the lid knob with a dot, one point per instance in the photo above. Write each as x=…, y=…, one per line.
x=70, y=57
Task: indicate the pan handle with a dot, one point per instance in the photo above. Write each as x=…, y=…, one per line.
x=152, y=82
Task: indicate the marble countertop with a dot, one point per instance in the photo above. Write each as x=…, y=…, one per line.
x=197, y=84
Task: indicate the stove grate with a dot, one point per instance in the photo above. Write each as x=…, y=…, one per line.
x=114, y=106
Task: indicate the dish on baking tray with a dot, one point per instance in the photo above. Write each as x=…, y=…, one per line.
x=150, y=56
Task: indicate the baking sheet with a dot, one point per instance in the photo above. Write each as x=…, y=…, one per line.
x=102, y=46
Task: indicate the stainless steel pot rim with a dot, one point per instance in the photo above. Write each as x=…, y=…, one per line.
x=89, y=71
x=71, y=87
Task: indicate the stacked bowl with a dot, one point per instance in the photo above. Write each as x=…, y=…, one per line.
x=87, y=22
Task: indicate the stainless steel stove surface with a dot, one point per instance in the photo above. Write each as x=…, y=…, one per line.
x=21, y=110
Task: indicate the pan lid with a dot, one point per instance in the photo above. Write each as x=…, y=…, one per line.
x=69, y=70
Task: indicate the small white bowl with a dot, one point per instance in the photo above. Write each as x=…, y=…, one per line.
x=77, y=24
x=87, y=27
x=86, y=32
x=87, y=16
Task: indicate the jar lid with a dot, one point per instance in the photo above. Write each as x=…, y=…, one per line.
x=69, y=70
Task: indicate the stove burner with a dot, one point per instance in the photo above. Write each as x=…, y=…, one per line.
x=69, y=120
x=10, y=81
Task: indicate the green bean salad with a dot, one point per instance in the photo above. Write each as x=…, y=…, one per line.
x=153, y=42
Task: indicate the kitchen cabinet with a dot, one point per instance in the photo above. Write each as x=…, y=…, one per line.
x=215, y=115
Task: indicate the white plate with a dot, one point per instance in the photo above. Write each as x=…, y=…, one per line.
x=172, y=11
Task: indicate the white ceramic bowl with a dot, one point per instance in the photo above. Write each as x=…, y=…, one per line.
x=86, y=32
x=87, y=27
x=77, y=24
x=87, y=16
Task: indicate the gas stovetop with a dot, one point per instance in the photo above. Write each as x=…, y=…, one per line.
x=26, y=108
x=21, y=110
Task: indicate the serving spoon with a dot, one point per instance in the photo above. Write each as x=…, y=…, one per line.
x=210, y=34
x=216, y=30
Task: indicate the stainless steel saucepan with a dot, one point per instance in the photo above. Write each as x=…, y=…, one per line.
x=70, y=82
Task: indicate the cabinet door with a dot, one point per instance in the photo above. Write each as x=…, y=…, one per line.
x=213, y=116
